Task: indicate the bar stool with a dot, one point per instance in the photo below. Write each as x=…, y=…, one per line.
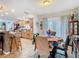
x=2, y=41
x=12, y=38
x=18, y=36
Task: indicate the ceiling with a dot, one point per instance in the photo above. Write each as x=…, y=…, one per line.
x=33, y=6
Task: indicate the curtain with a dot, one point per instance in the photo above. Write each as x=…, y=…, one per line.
x=64, y=27
x=59, y=25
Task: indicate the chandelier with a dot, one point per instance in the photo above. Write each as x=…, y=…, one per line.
x=45, y=3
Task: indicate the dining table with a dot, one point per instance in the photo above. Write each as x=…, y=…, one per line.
x=55, y=41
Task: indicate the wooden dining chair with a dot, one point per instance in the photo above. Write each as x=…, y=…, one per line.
x=62, y=49
x=18, y=36
x=42, y=46
x=6, y=41
x=12, y=42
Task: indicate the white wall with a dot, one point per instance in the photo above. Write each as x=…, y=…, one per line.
x=36, y=24
x=44, y=26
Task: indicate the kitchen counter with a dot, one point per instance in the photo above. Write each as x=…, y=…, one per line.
x=27, y=34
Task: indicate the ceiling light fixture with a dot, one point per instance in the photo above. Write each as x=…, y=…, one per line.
x=6, y=13
x=45, y=3
x=12, y=10
x=2, y=15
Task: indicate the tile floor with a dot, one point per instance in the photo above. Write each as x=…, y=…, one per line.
x=28, y=51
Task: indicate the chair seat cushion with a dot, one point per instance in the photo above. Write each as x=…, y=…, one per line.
x=59, y=56
x=62, y=52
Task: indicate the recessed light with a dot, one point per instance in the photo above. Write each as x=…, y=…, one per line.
x=2, y=15
x=6, y=13
x=12, y=10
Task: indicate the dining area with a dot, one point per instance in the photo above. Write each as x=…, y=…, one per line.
x=56, y=47
x=46, y=45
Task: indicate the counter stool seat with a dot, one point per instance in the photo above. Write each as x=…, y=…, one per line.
x=2, y=41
